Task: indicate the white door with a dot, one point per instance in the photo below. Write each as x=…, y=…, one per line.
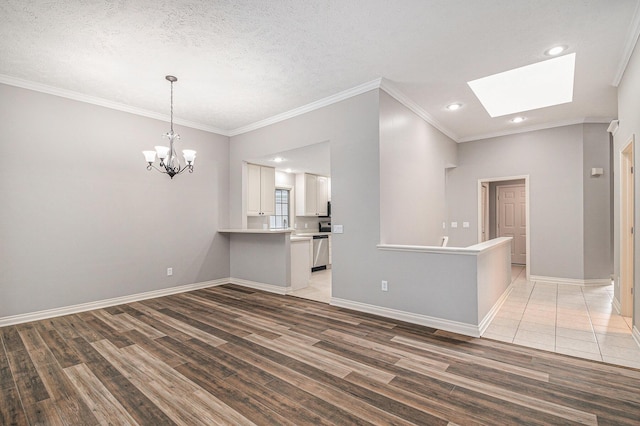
x=512, y=220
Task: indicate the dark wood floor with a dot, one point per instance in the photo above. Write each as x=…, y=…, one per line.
x=229, y=355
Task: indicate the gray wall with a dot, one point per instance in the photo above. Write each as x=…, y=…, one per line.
x=263, y=258
x=82, y=218
x=358, y=266
x=597, y=203
x=629, y=116
x=413, y=157
x=553, y=160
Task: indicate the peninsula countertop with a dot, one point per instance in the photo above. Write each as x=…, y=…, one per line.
x=255, y=231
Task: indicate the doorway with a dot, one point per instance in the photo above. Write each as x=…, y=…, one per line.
x=627, y=213
x=489, y=211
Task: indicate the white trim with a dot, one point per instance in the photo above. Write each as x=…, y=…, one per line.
x=74, y=309
x=484, y=324
x=473, y=250
x=261, y=286
x=329, y=100
x=543, y=126
x=613, y=127
x=399, y=96
x=439, y=323
x=621, y=234
x=632, y=39
x=617, y=306
x=636, y=334
x=570, y=281
x=94, y=100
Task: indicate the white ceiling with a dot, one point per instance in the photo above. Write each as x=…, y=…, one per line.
x=310, y=159
x=241, y=62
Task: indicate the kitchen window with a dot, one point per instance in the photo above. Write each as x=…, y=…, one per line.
x=281, y=219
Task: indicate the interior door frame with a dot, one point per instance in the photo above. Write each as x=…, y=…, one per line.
x=528, y=211
x=484, y=213
x=626, y=160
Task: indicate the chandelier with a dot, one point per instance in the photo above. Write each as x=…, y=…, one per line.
x=169, y=161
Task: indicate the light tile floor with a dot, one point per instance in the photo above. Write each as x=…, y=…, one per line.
x=319, y=288
x=573, y=320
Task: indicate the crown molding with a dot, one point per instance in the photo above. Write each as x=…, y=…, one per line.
x=632, y=39
x=329, y=100
x=94, y=100
x=399, y=96
x=583, y=120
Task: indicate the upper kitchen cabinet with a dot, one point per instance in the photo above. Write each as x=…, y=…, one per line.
x=261, y=187
x=312, y=194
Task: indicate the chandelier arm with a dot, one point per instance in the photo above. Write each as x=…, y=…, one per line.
x=154, y=166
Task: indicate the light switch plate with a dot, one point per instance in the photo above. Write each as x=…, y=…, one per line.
x=454, y=224
x=465, y=224
x=337, y=229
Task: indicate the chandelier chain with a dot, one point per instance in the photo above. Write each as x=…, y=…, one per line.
x=172, y=107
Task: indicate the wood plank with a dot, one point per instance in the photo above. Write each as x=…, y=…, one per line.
x=143, y=410
x=60, y=349
x=6, y=377
x=11, y=411
x=28, y=381
x=100, y=401
x=229, y=355
x=156, y=349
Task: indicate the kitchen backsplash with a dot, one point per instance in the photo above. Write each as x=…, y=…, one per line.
x=311, y=222
x=258, y=222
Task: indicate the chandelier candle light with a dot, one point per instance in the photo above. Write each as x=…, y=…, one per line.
x=169, y=162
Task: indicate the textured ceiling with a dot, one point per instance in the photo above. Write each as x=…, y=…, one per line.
x=239, y=62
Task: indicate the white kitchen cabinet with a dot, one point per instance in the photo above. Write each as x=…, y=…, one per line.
x=312, y=194
x=261, y=190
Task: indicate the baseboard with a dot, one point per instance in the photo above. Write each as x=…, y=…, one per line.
x=439, y=323
x=570, y=281
x=636, y=334
x=74, y=309
x=617, y=306
x=484, y=324
x=261, y=286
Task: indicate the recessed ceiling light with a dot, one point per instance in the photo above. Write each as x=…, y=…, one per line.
x=517, y=119
x=539, y=85
x=556, y=50
x=288, y=170
x=453, y=107
x=278, y=160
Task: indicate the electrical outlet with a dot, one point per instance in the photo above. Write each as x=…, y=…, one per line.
x=169, y=272
x=306, y=225
x=385, y=286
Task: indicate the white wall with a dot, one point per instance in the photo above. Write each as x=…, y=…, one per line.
x=83, y=220
x=553, y=160
x=413, y=157
x=629, y=116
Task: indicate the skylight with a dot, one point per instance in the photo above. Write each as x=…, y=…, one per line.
x=530, y=87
